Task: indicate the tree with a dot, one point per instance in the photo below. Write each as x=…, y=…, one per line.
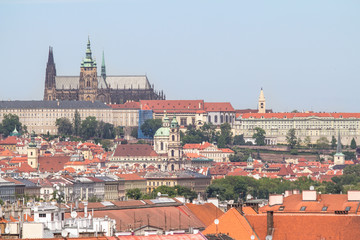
x=291, y=138
x=353, y=144
x=239, y=140
x=225, y=136
x=119, y=131
x=150, y=126
x=259, y=136
x=322, y=143
x=134, y=193
x=105, y=130
x=64, y=126
x=134, y=133
x=107, y=144
x=307, y=141
x=77, y=123
x=9, y=123
x=333, y=142
x=88, y=127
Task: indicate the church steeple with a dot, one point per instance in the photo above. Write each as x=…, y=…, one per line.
x=339, y=147
x=103, y=69
x=339, y=157
x=262, y=106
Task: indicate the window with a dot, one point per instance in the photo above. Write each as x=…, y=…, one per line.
x=302, y=208
x=215, y=119
x=183, y=121
x=221, y=119
x=172, y=153
x=324, y=208
x=172, y=138
x=347, y=208
x=281, y=208
x=42, y=215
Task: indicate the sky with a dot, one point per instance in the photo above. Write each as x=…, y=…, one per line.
x=305, y=54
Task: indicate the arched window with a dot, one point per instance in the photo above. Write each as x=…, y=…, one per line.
x=221, y=119
x=172, y=167
x=161, y=146
x=172, y=153
x=215, y=120
x=209, y=119
x=88, y=83
x=173, y=138
x=226, y=118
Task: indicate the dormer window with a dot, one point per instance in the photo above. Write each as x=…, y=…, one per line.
x=347, y=208
x=281, y=208
x=324, y=209
x=302, y=208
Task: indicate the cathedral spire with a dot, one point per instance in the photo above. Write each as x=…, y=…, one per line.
x=88, y=61
x=50, y=73
x=103, y=68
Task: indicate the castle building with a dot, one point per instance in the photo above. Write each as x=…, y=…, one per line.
x=90, y=87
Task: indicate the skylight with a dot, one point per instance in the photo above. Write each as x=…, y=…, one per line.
x=347, y=208
x=324, y=208
x=302, y=208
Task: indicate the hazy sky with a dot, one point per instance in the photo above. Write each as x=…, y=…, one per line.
x=305, y=54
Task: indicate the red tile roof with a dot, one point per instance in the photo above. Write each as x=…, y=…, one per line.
x=219, y=107
x=173, y=105
x=299, y=115
x=53, y=163
x=127, y=105
x=12, y=140
x=206, y=212
x=134, y=150
x=130, y=176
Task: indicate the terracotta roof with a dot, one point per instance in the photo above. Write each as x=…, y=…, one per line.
x=173, y=105
x=127, y=105
x=134, y=150
x=12, y=140
x=219, y=107
x=233, y=224
x=206, y=212
x=333, y=202
x=309, y=227
x=299, y=115
x=53, y=163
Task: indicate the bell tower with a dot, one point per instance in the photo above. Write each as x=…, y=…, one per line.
x=88, y=83
x=33, y=153
x=262, y=103
x=174, y=147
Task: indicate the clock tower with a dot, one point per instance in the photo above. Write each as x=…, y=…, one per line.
x=88, y=84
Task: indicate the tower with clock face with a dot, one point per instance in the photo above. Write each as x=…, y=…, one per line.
x=88, y=84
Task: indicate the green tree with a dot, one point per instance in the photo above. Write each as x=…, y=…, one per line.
x=105, y=130
x=239, y=140
x=134, y=193
x=107, y=144
x=307, y=141
x=64, y=126
x=353, y=144
x=291, y=138
x=119, y=131
x=333, y=142
x=134, y=133
x=88, y=127
x=208, y=132
x=322, y=143
x=259, y=136
x=77, y=123
x=9, y=122
x=225, y=136
x=150, y=126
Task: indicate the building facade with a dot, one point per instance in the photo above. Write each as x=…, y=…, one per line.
x=90, y=87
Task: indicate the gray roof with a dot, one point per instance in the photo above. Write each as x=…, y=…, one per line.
x=126, y=82
x=52, y=105
x=26, y=182
x=178, y=174
x=113, y=82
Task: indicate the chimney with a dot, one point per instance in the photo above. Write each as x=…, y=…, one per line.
x=85, y=209
x=276, y=199
x=270, y=223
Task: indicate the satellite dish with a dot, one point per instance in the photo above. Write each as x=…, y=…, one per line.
x=64, y=233
x=216, y=221
x=7, y=230
x=73, y=214
x=268, y=237
x=252, y=237
x=159, y=194
x=312, y=188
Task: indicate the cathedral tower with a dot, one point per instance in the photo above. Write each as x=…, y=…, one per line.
x=49, y=93
x=339, y=157
x=262, y=106
x=88, y=83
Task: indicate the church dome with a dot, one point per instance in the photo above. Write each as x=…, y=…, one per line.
x=162, y=132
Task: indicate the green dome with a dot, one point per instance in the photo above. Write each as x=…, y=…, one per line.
x=162, y=132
